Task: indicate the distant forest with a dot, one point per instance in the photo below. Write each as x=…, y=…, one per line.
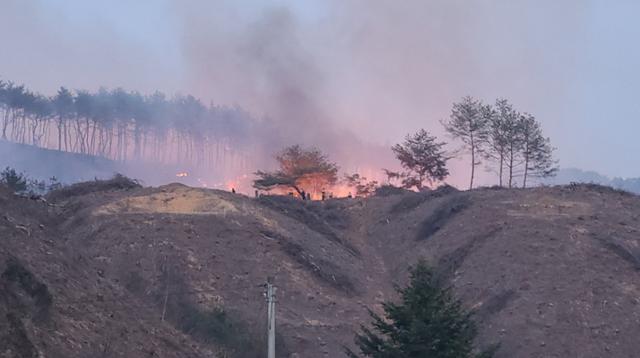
x=125, y=126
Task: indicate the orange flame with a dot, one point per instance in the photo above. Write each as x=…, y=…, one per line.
x=182, y=174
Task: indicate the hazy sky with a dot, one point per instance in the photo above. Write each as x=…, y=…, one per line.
x=381, y=68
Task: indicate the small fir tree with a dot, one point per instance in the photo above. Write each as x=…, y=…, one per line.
x=428, y=322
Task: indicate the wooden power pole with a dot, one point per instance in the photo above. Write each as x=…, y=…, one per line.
x=271, y=320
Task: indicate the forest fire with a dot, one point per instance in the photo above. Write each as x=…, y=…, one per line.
x=212, y=147
x=240, y=183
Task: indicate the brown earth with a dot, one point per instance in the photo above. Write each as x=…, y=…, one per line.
x=111, y=270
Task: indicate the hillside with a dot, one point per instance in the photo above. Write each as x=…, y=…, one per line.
x=572, y=175
x=67, y=167
x=107, y=269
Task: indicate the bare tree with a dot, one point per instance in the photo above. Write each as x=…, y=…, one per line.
x=469, y=124
x=423, y=157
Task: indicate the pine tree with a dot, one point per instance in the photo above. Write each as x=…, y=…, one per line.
x=423, y=157
x=505, y=140
x=537, y=152
x=468, y=124
x=428, y=322
x=303, y=170
x=15, y=181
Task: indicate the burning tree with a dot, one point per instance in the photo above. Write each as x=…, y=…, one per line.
x=303, y=170
x=424, y=159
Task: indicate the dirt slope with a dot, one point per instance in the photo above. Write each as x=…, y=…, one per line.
x=130, y=272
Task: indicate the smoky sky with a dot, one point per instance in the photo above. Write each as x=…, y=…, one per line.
x=377, y=69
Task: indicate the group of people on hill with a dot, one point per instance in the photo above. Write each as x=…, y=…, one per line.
x=303, y=195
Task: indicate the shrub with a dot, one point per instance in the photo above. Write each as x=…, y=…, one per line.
x=20, y=183
x=388, y=190
x=118, y=182
x=214, y=326
x=14, y=180
x=217, y=326
x=16, y=273
x=54, y=184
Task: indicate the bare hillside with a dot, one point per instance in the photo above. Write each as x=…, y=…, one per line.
x=112, y=270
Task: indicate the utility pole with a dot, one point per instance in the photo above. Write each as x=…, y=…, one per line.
x=271, y=319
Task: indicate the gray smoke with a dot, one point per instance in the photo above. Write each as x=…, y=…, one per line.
x=339, y=73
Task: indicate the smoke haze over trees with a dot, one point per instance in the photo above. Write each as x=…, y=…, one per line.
x=396, y=65
x=122, y=126
x=328, y=72
x=129, y=126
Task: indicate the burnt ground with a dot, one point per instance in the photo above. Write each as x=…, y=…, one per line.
x=118, y=270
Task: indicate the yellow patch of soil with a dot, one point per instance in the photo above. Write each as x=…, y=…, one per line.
x=172, y=200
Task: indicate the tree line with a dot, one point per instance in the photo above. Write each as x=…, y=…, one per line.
x=510, y=142
x=126, y=125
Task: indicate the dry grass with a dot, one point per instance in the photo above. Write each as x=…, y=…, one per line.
x=173, y=199
x=119, y=182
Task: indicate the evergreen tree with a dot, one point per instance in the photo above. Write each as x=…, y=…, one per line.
x=505, y=139
x=15, y=181
x=63, y=109
x=499, y=116
x=469, y=124
x=429, y=322
x=537, y=152
x=423, y=157
x=123, y=125
x=516, y=143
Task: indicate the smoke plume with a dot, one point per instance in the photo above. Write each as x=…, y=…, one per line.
x=351, y=77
